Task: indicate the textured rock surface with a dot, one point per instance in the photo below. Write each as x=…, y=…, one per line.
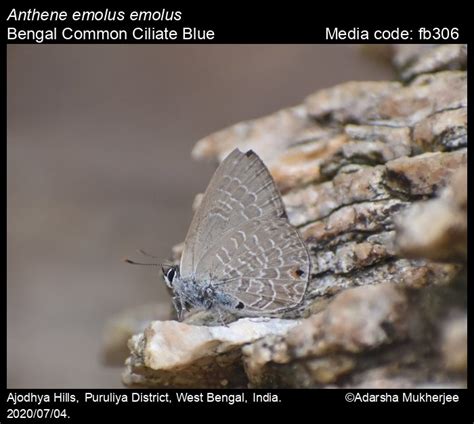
x=171, y=353
x=454, y=344
x=374, y=176
x=358, y=319
x=415, y=59
x=378, y=336
x=124, y=325
x=437, y=229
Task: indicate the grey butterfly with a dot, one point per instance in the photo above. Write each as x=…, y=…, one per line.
x=241, y=255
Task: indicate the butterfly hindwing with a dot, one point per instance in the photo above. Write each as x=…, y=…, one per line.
x=262, y=263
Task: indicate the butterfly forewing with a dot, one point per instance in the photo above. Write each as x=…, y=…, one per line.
x=241, y=190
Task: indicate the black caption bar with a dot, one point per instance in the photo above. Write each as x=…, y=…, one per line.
x=76, y=405
x=192, y=24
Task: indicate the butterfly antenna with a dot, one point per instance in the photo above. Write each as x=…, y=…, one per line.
x=129, y=261
x=142, y=252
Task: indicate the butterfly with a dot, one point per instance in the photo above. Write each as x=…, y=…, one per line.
x=241, y=255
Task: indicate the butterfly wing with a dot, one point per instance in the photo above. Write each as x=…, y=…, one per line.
x=262, y=263
x=241, y=189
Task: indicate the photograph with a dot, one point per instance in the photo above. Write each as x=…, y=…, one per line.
x=236, y=216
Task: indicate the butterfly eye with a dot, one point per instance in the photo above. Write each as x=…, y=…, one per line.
x=170, y=274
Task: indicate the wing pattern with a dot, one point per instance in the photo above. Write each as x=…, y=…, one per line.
x=263, y=263
x=240, y=190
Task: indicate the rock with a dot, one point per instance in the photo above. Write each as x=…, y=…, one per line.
x=426, y=95
x=443, y=131
x=302, y=144
x=454, y=344
x=302, y=164
x=267, y=136
x=357, y=319
x=174, y=354
x=354, y=101
x=315, y=202
x=416, y=59
x=351, y=223
x=404, y=54
x=322, y=347
x=373, y=174
x=424, y=174
x=408, y=273
x=121, y=327
x=369, y=145
x=437, y=229
x=371, y=337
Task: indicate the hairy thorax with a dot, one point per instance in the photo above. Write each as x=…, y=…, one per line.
x=190, y=295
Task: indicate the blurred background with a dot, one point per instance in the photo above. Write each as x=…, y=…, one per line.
x=99, y=142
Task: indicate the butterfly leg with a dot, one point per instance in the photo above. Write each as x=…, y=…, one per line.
x=221, y=318
x=178, y=305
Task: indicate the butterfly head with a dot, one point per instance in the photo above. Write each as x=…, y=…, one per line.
x=170, y=273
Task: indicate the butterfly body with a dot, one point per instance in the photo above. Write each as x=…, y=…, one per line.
x=241, y=255
x=189, y=294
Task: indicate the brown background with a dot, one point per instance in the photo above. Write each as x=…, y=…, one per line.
x=99, y=141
